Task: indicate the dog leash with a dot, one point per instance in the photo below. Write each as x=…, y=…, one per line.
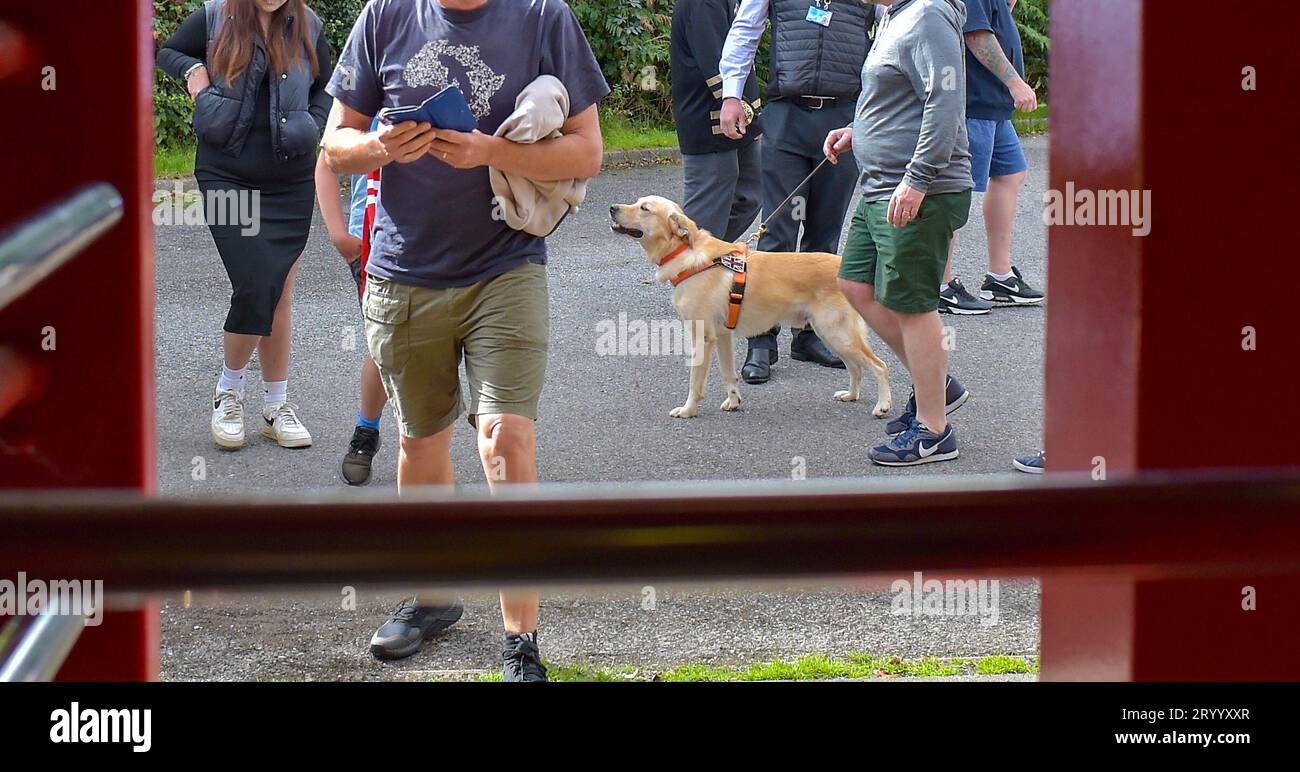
x=762, y=227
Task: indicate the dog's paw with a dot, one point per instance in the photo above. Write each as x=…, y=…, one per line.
x=685, y=411
x=881, y=409
x=846, y=396
x=732, y=403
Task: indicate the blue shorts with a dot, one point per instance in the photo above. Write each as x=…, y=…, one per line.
x=994, y=151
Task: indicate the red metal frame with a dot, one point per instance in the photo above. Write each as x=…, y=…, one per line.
x=1145, y=363
x=100, y=306
x=1144, y=368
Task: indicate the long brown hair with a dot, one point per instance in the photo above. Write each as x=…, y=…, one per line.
x=241, y=29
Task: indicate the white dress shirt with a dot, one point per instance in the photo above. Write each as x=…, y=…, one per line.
x=742, y=43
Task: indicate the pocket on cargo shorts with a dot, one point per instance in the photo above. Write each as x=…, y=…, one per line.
x=387, y=311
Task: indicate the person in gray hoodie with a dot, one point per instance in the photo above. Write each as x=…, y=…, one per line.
x=909, y=138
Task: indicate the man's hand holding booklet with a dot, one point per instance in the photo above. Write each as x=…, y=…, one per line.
x=446, y=109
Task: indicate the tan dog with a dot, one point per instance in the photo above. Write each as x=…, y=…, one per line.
x=793, y=288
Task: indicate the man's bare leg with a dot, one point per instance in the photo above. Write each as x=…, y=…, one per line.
x=507, y=446
x=947, y=267
x=999, y=217
x=425, y=461
x=928, y=363
x=862, y=297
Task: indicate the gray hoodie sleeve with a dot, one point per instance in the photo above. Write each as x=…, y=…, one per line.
x=935, y=65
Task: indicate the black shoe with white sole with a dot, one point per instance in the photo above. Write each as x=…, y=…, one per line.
x=958, y=300
x=955, y=395
x=410, y=626
x=1014, y=291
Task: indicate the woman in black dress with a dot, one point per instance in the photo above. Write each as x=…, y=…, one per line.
x=257, y=71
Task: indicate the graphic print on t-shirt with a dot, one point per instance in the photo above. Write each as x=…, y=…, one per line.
x=426, y=68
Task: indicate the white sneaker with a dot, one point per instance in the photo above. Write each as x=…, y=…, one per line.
x=280, y=423
x=228, y=418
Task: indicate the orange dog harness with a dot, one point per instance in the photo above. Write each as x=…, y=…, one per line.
x=735, y=262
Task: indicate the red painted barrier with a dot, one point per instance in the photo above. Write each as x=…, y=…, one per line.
x=77, y=90
x=1148, y=366
x=1149, y=358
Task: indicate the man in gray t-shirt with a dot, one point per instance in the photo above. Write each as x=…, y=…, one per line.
x=909, y=139
x=449, y=279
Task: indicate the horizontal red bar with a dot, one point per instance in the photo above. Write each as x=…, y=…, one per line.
x=1186, y=523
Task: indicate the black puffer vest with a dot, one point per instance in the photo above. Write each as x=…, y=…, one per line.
x=223, y=113
x=811, y=60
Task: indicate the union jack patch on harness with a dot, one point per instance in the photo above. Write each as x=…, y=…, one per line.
x=733, y=262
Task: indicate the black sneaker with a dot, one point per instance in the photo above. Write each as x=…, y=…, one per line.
x=521, y=660
x=1013, y=292
x=410, y=626
x=355, y=469
x=955, y=396
x=958, y=300
x=1031, y=464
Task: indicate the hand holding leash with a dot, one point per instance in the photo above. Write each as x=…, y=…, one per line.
x=762, y=227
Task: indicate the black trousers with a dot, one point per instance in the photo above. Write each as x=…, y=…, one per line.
x=722, y=190
x=793, y=138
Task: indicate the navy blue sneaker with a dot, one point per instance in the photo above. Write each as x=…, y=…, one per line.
x=1031, y=464
x=916, y=445
x=956, y=396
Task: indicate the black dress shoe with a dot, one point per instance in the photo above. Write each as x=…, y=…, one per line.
x=807, y=347
x=758, y=365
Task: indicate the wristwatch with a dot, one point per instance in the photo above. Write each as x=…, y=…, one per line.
x=191, y=70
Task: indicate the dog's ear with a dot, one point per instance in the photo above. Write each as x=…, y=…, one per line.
x=684, y=227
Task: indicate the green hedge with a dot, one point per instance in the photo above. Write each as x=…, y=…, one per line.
x=630, y=39
x=1031, y=17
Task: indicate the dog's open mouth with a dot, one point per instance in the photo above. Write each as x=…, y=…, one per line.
x=633, y=232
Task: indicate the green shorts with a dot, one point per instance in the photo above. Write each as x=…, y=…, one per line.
x=417, y=336
x=905, y=265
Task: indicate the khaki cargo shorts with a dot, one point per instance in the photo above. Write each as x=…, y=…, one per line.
x=418, y=335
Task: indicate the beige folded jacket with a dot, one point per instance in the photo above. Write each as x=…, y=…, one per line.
x=531, y=206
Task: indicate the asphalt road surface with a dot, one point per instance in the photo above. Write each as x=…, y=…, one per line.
x=603, y=419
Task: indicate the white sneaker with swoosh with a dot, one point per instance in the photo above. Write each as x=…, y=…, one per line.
x=228, y=419
x=280, y=423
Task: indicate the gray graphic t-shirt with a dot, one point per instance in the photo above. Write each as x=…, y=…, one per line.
x=434, y=224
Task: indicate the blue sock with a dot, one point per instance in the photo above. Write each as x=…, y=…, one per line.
x=366, y=422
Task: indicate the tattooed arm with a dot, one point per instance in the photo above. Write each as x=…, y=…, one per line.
x=984, y=45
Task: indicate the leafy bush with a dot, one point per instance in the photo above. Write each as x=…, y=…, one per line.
x=629, y=37
x=1031, y=18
